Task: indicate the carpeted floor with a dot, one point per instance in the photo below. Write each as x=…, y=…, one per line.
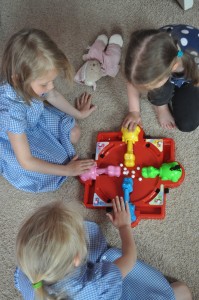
x=172, y=244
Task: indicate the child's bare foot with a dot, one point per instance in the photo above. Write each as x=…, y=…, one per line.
x=164, y=116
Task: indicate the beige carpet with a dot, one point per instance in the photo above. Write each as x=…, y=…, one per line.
x=172, y=244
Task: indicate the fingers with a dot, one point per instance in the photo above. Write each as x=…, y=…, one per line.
x=77, y=167
x=85, y=165
x=87, y=162
x=84, y=105
x=125, y=123
x=127, y=207
x=121, y=213
x=85, y=98
x=118, y=204
x=75, y=157
x=130, y=124
x=122, y=204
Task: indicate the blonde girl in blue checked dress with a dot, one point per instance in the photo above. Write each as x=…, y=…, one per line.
x=61, y=257
x=36, y=140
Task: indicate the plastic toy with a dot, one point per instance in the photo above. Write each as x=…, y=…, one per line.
x=127, y=187
x=148, y=197
x=130, y=137
x=168, y=171
x=102, y=59
x=132, y=212
x=95, y=171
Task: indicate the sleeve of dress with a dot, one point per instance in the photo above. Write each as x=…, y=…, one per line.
x=13, y=116
x=97, y=244
x=23, y=284
x=108, y=281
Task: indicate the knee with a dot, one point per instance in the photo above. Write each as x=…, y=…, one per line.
x=75, y=134
x=186, y=126
x=186, y=107
x=181, y=291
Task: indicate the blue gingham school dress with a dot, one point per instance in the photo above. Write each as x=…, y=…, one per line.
x=100, y=278
x=48, y=132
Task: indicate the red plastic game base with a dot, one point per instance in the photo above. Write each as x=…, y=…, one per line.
x=149, y=194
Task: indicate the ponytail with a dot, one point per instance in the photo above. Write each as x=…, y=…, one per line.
x=41, y=294
x=191, y=71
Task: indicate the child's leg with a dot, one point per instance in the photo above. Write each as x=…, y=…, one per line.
x=160, y=98
x=112, y=55
x=185, y=104
x=97, y=48
x=75, y=134
x=181, y=291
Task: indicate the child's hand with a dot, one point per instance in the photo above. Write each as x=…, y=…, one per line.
x=132, y=120
x=77, y=167
x=85, y=106
x=121, y=214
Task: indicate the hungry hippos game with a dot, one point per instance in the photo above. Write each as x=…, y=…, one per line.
x=138, y=168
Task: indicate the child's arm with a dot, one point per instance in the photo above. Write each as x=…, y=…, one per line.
x=121, y=219
x=28, y=162
x=84, y=105
x=133, y=118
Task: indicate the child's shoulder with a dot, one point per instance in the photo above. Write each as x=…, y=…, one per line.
x=23, y=285
x=186, y=35
x=91, y=226
x=8, y=92
x=94, y=232
x=183, y=28
x=97, y=243
x=6, y=88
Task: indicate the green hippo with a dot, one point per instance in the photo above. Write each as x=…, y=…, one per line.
x=168, y=171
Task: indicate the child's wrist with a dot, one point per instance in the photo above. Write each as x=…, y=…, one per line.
x=124, y=227
x=134, y=112
x=67, y=171
x=78, y=114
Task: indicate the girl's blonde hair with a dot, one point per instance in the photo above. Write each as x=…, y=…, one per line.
x=151, y=55
x=48, y=243
x=29, y=54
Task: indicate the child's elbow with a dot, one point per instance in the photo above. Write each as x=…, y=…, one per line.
x=135, y=257
x=133, y=260
x=26, y=163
